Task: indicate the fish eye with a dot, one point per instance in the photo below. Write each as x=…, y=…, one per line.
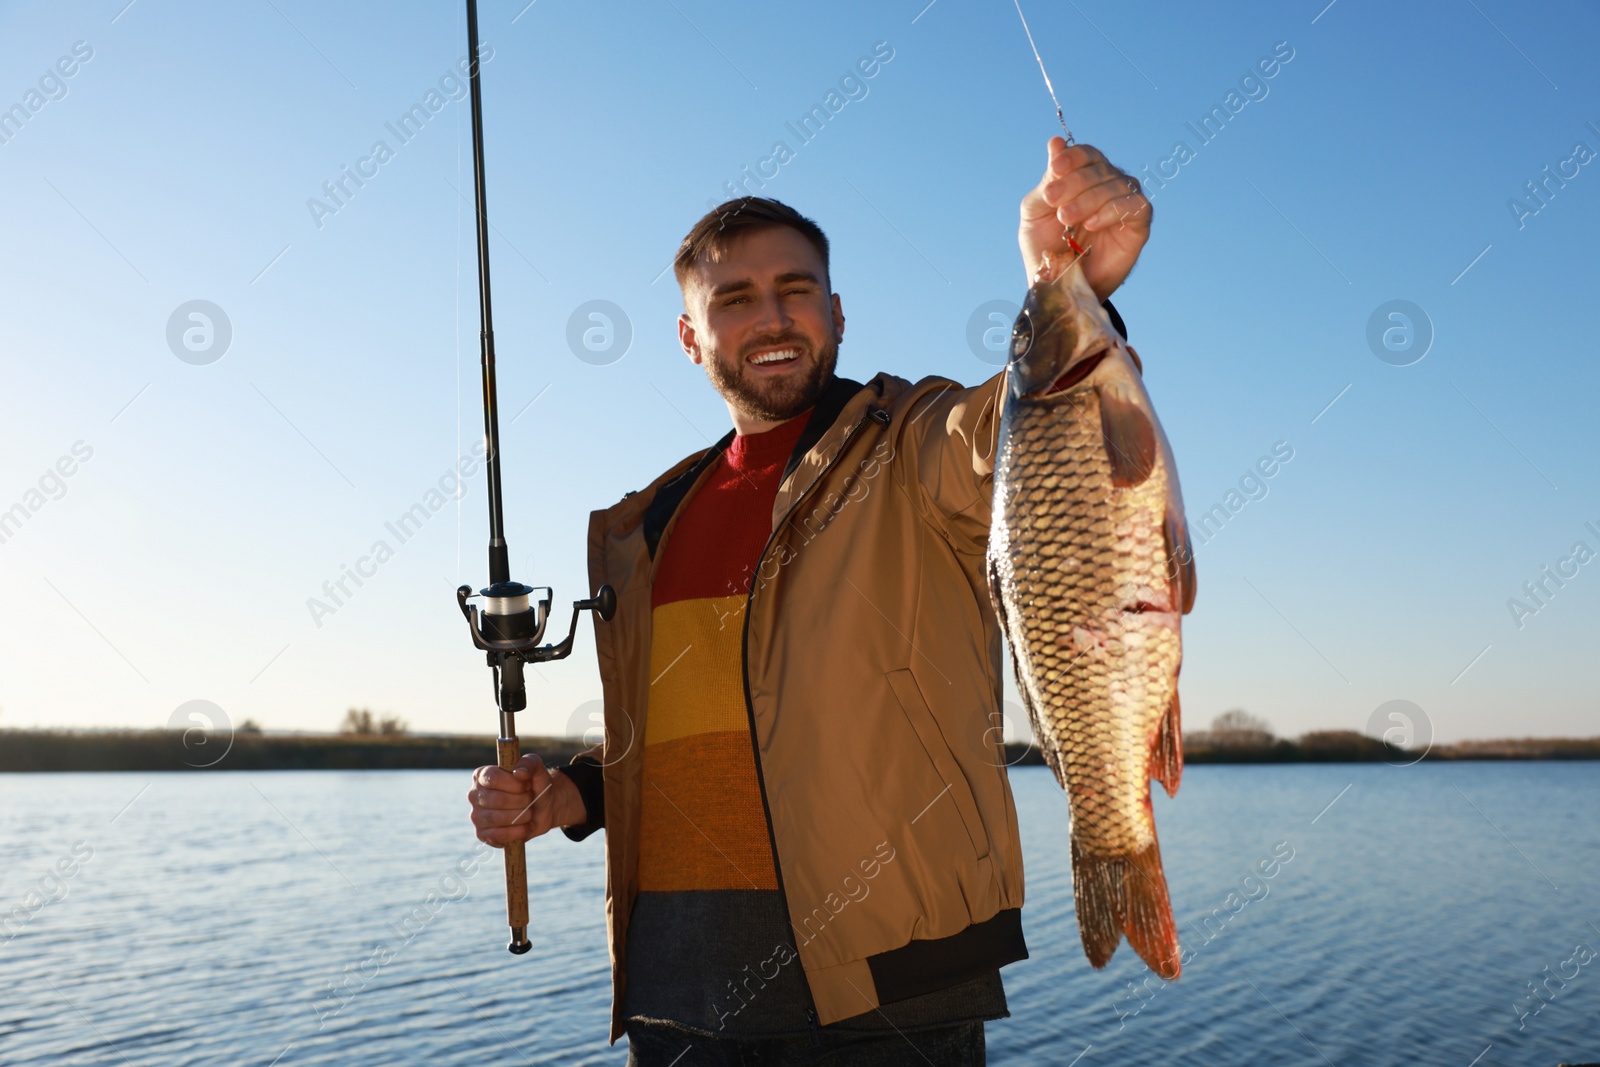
x=1021, y=335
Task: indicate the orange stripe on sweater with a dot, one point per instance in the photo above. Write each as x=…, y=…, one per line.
x=701, y=823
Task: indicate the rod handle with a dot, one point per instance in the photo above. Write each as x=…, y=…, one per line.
x=509, y=751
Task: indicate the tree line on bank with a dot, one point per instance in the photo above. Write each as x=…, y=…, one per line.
x=369, y=741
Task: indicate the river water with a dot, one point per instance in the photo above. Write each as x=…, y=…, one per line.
x=283, y=918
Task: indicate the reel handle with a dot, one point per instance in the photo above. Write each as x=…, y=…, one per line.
x=603, y=603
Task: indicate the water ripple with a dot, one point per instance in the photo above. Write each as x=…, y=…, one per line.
x=243, y=918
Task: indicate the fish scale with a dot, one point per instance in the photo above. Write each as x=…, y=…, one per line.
x=1091, y=570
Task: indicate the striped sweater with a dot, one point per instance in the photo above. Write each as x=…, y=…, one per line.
x=710, y=947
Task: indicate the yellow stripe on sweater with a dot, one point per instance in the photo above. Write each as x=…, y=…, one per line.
x=696, y=682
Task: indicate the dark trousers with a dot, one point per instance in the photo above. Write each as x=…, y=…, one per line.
x=654, y=1045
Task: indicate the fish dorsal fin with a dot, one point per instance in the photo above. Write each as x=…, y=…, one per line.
x=1130, y=438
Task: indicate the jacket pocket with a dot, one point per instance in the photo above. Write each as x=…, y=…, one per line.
x=915, y=707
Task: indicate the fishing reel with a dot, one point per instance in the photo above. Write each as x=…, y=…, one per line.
x=511, y=625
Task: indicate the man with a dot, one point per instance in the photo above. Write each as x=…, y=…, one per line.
x=811, y=844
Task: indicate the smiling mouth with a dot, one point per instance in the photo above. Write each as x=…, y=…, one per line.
x=777, y=355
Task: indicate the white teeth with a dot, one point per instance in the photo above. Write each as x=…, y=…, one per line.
x=774, y=357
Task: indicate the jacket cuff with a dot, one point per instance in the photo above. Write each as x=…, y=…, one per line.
x=1116, y=319
x=587, y=774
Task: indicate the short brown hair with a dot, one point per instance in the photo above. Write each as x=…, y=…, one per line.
x=723, y=224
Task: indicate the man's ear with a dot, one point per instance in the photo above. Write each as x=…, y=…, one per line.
x=687, y=338
x=838, y=319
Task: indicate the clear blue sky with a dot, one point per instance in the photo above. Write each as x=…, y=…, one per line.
x=176, y=163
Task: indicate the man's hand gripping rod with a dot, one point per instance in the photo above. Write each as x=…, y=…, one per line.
x=511, y=626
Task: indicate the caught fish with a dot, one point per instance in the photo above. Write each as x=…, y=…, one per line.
x=1091, y=571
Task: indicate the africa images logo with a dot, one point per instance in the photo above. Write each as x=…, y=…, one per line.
x=199, y=332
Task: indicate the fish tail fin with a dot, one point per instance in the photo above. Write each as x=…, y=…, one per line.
x=1148, y=921
x=1167, y=760
x=1096, y=891
x=1119, y=895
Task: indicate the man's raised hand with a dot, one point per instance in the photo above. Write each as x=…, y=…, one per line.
x=1082, y=188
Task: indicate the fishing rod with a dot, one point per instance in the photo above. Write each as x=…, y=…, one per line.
x=511, y=625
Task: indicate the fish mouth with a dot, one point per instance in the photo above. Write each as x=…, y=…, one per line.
x=1052, y=265
x=1075, y=373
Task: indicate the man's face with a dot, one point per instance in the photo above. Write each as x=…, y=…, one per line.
x=764, y=325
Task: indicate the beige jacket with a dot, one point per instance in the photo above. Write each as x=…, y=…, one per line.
x=872, y=662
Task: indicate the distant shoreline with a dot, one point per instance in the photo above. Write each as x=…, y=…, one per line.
x=38, y=751
x=23, y=751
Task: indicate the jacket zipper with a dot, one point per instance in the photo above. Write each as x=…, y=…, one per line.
x=750, y=712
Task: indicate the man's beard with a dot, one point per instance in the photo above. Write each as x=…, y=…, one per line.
x=780, y=399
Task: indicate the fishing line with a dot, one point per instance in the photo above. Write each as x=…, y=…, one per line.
x=1069, y=232
x=1037, y=58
